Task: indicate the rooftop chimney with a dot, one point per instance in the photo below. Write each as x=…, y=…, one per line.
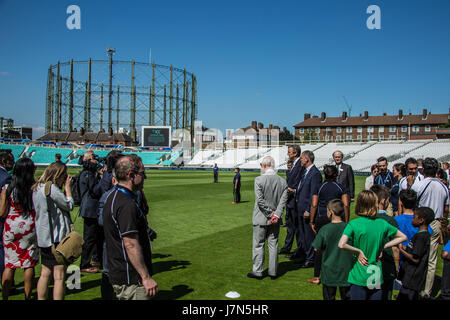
x=307, y=116
x=323, y=117
x=400, y=114
x=366, y=115
x=344, y=115
x=254, y=125
x=424, y=114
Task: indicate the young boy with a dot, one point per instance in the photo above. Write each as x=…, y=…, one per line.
x=445, y=282
x=389, y=259
x=236, y=186
x=413, y=271
x=336, y=263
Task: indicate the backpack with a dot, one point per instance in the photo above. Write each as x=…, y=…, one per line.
x=75, y=188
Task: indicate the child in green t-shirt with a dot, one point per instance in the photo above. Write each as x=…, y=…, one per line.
x=368, y=236
x=336, y=263
x=390, y=257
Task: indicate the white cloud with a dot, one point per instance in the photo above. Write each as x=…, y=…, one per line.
x=4, y=73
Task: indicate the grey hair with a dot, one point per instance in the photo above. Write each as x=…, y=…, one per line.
x=268, y=161
x=86, y=154
x=342, y=154
x=309, y=154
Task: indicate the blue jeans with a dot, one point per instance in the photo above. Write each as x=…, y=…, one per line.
x=364, y=293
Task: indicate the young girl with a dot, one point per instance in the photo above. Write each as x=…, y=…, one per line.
x=367, y=235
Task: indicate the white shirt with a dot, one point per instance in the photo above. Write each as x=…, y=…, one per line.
x=369, y=182
x=436, y=196
x=304, y=176
x=403, y=183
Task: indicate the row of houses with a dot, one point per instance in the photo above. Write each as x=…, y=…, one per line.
x=366, y=128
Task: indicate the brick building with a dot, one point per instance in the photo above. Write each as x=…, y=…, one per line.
x=366, y=128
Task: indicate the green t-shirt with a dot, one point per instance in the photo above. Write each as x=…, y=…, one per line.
x=369, y=235
x=387, y=260
x=336, y=263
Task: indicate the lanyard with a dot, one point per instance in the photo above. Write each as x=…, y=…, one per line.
x=385, y=179
x=132, y=197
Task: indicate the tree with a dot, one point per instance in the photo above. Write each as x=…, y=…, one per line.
x=286, y=136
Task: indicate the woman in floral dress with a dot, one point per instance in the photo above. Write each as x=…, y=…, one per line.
x=19, y=235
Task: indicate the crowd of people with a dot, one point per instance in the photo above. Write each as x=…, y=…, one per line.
x=35, y=217
x=402, y=218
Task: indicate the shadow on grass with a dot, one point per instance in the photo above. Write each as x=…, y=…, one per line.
x=85, y=286
x=176, y=293
x=162, y=266
x=287, y=266
x=159, y=255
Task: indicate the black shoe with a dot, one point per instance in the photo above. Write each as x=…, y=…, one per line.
x=273, y=277
x=295, y=257
x=307, y=265
x=284, y=251
x=254, y=276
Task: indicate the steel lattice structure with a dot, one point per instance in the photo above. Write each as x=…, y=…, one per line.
x=108, y=94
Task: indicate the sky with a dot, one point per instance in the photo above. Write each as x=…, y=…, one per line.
x=269, y=61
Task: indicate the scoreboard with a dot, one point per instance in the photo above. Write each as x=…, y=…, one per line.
x=156, y=136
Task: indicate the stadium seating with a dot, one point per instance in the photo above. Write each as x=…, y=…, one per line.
x=16, y=149
x=46, y=155
x=438, y=150
x=359, y=155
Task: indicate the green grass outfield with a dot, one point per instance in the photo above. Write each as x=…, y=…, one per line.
x=204, y=244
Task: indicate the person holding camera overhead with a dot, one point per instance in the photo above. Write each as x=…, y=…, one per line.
x=90, y=192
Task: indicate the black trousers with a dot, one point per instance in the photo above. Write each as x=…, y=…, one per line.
x=386, y=288
x=237, y=194
x=329, y=293
x=291, y=229
x=216, y=177
x=319, y=222
x=90, y=237
x=445, y=282
x=407, y=294
x=106, y=288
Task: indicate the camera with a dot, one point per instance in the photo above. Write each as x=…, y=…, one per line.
x=101, y=160
x=151, y=233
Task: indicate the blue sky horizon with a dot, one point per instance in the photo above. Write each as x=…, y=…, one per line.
x=254, y=60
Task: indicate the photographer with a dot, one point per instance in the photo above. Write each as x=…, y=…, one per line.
x=90, y=192
x=110, y=161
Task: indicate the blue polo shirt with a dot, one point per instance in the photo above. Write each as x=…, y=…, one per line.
x=237, y=178
x=405, y=225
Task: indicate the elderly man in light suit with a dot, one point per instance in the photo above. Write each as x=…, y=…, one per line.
x=270, y=198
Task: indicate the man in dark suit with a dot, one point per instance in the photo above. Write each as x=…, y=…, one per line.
x=345, y=174
x=6, y=164
x=309, y=184
x=291, y=213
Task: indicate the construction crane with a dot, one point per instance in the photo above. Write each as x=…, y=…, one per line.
x=349, y=107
